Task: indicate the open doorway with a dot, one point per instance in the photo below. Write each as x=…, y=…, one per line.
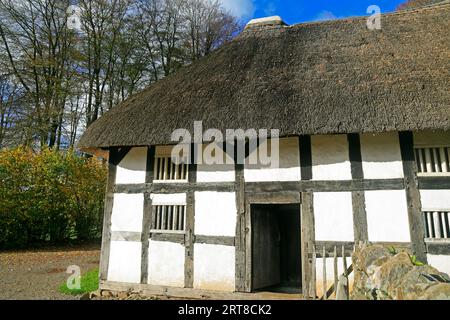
x=276, y=247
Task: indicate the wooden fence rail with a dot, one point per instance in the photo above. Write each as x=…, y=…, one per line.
x=335, y=254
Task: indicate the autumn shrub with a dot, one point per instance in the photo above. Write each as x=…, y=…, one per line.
x=49, y=196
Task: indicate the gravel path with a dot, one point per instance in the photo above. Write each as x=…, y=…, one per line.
x=37, y=274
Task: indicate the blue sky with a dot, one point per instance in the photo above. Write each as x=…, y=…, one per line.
x=297, y=11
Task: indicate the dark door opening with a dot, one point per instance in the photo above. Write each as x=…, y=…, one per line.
x=276, y=249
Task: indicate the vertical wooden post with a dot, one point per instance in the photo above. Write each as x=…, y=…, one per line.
x=358, y=197
x=344, y=264
x=308, y=241
x=324, y=273
x=190, y=222
x=147, y=216
x=115, y=157
x=240, y=227
x=335, y=266
x=313, y=273
x=416, y=226
x=307, y=218
x=247, y=229
x=344, y=261
x=305, y=157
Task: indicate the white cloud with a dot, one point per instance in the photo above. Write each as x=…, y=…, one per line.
x=270, y=9
x=325, y=15
x=239, y=8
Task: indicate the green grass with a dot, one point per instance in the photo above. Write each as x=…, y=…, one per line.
x=89, y=283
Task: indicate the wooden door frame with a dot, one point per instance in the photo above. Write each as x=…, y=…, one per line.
x=281, y=198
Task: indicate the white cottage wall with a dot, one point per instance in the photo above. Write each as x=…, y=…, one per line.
x=125, y=262
x=127, y=212
x=289, y=165
x=166, y=264
x=387, y=216
x=435, y=200
x=176, y=199
x=217, y=172
x=132, y=169
x=215, y=213
x=333, y=214
x=381, y=156
x=214, y=267
x=330, y=157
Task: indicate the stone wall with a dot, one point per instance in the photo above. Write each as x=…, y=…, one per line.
x=383, y=273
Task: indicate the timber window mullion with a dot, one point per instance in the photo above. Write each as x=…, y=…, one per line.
x=169, y=219
x=436, y=224
x=168, y=170
x=432, y=160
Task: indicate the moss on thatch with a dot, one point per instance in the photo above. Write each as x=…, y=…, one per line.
x=315, y=78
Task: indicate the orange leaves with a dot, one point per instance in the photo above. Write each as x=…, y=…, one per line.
x=49, y=196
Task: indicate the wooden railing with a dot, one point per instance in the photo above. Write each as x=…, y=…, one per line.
x=340, y=280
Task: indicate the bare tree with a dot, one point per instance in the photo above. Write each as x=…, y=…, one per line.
x=37, y=44
x=208, y=26
x=102, y=21
x=66, y=79
x=8, y=102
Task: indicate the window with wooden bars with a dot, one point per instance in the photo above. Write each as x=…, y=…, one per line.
x=437, y=224
x=169, y=219
x=433, y=161
x=167, y=170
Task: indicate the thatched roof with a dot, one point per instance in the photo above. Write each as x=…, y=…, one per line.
x=314, y=78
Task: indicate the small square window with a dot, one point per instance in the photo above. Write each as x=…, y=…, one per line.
x=433, y=161
x=169, y=219
x=167, y=170
x=437, y=224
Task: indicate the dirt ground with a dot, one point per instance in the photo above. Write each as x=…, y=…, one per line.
x=36, y=274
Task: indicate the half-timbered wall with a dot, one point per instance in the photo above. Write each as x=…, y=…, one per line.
x=435, y=197
x=352, y=188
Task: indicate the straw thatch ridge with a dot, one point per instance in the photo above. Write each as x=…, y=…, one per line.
x=316, y=78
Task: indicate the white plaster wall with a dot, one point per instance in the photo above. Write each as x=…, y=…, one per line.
x=132, y=169
x=166, y=264
x=333, y=215
x=442, y=263
x=215, y=213
x=329, y=265
x=387, y=216
x=215, y=173
x=127, y=214
x=222, y=172
x=287, y=170
x=381, y=156
x=125, y=262
x=330, y=157
x=177, y=199
x=214, y=267
x=432, y=138
x=435, y=200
